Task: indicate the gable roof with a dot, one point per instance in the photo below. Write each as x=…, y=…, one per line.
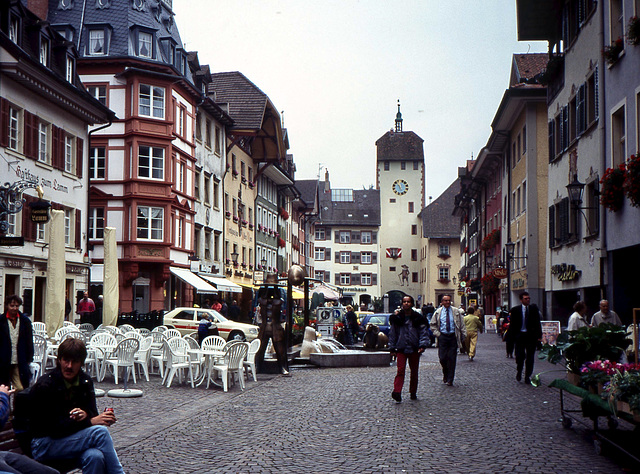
x=364, y=210
x=527, y=66
x=437, y=217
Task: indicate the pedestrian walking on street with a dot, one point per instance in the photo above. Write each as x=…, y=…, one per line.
x=605, y=316
x=408, y=338
x=474, y=327
x=525, y=331
x=16, y=345
x=352, y=327
x=578, y=320
x=448, y=326
x=86, y=308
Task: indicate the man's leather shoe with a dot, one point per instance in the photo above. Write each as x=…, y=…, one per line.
x=450, y=384
x=414, y=396
x=396, y=396
x=527, y=380
x=519, y=376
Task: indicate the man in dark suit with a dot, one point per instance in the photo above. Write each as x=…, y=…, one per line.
x=525, y=331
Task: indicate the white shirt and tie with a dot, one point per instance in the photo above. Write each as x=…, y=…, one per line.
x=525, y=314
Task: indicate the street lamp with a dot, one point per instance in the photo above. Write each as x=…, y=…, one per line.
x=234, y=257
x=575, y=189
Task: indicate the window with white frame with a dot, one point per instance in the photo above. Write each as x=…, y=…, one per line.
x=14, y=29
x=218, y=141
x=151, y=101
x=145, y=45
x=207, y=191
x=216, y=194
x=14, y=128
x=319, y=254
x=150, y=223
x=196, y=185
x=345, y=278
x=365, y=279
x=40, y=232
x=150, y=162
x=180, y=232
x=618, y=137
x=45, y=49
x=207, y=244
x=443, y=273
x=443, y=249
x=11, y=221
x=345, y=257
x=68, y=223
x=365, y=258
x=320, y=233
x=319, y=275
x=96, y=223
x=365, y=237
x=96, y=42
x=69, y=154
x=99, y=92
x=345, y=237
x=70, y=69
x=43, y=142
x=616, y=20
x=97, y=162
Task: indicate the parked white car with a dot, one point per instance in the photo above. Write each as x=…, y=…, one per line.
x=186, y=320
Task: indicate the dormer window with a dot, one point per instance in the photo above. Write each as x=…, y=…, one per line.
x=96, y=42
x=45, y=48
x=70, y=71
x=145, y=45
x=14, y=29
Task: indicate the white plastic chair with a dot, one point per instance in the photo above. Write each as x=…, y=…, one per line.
x=134, y=334
x=143, y=331
x=213, y=343
x=86, y=327
x=122, y=357
x=39, y=356
x=170, y=333
x=39, y=328
x=58, y=336
x=157, y=351
x=159, y=329
x=233, y=364
x=125, y=328
x=177, y=359
x=143, y=356
x=67, y=324
x=250, y=363
x=104, y=342
x=112, y=329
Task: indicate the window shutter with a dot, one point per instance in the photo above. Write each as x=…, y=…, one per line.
x=326, y=276
x=355, y=278
x=4, y=122
x=30, y=135
x=374, y=237
x=374, y=257
x=374, y=278
x=565, y=127
x=563, y=217
x=56, y=149
x=355, y=257
x=355, y=236
x=327, y=254
x=337, y=257
x=79, y=156
x=337, y=279
x=552, y=152
x=596, y=92
x=552, y=227
x=28, y=227
x=78, y=240
x=337, y=236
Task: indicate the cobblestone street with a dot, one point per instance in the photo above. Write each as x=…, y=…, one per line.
x=344, y=420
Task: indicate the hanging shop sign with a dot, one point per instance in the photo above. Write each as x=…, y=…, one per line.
x=500, y=273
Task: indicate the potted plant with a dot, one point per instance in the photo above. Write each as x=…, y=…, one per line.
x=633, y=31
x=489, y=284
x=612, y=53
x=621, y=390
x=631, y=183
x=612, y=194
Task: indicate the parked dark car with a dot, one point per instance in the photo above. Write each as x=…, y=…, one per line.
x=379, y=319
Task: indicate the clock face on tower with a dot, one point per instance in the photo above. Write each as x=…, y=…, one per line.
x=400, y=186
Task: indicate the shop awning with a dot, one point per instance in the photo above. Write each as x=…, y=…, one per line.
x=97, y=273
x=222, y=284
x=192, y=279
x=296, y=294
x=248, y=285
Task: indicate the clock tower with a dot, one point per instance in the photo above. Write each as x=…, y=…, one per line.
x=400, y=177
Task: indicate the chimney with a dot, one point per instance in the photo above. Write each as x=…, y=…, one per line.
x=39, y=8
x=327, y=186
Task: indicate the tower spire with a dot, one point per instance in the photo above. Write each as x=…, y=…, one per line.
x=398, y=119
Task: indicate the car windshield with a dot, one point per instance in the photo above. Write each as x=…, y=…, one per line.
x=378, y=320
x=217, y=316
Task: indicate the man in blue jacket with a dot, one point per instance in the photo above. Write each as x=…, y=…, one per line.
x=408, y=338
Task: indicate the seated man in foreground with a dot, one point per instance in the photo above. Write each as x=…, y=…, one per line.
x=65, y=422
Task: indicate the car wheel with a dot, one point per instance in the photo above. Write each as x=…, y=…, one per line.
x=237, y=336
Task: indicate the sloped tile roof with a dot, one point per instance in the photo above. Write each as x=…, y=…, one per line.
x=245, y=102
x=527, y=66
x=308, y=189
x=364, y=210
x=400, y=146
x=437, y=218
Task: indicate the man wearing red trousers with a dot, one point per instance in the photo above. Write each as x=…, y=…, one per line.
x=408, y=338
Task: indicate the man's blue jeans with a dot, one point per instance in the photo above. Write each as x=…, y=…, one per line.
x=93, y=446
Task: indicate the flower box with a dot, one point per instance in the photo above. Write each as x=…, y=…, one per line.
x=244, y=222
x=250, y=226
x=235, y=219
x=234, y=173
x=612, y=53
x=243, y=180
x=251, y=185
x=612, y=192
x=573, y=379
x=631, y=184
x=227, y=214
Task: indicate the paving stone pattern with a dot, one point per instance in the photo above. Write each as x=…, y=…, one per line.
x=344, y=420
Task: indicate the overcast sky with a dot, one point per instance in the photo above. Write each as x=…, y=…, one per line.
x=337, y=68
